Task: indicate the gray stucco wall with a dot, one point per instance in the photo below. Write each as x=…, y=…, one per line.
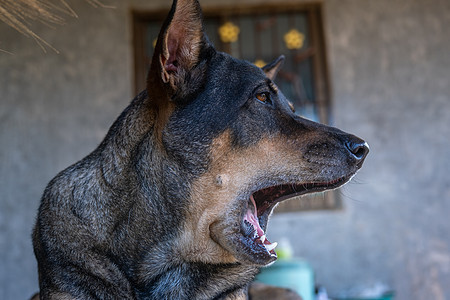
x=389, y=64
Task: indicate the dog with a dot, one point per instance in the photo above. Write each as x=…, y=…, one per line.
x=174, y=202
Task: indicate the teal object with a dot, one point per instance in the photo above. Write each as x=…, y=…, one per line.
x=294, y=274
x=386, y=296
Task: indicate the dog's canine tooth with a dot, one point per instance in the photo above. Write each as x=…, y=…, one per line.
x=270, y=247
x=263, y=238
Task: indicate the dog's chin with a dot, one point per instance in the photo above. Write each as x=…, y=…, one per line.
x=245, y=237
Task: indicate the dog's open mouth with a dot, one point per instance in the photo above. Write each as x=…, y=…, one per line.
x=259, y=208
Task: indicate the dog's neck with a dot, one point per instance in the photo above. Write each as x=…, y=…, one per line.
x=157, y=272
x=197, y=281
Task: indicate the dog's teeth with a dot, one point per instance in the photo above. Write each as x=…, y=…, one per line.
x=263, y=238
x=270, y=247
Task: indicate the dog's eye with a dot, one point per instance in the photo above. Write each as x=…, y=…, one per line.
x=263, y=97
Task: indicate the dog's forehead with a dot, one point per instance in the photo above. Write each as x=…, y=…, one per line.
x=226, y=70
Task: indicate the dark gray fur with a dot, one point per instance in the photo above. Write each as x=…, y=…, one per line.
x=107, y=226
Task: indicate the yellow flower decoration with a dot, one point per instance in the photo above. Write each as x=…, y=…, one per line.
x=294, y=39
x=229, y=32
x=260, y=63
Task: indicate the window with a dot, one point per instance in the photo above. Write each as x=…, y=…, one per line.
x=260, y=34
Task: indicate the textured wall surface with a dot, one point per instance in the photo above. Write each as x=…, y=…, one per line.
x=389, y=63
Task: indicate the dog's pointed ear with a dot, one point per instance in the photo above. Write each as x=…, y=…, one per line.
x=179, y=44
x=274, y=67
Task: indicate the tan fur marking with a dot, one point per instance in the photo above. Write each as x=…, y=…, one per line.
x=291, y=106
x=211, y=202
x=274, y=87
x=238, y=295
x=61, y=296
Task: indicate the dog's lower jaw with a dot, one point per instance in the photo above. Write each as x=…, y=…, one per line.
x=241, y=247
x=221, y=243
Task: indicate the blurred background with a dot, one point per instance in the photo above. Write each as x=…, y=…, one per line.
x=377, y=68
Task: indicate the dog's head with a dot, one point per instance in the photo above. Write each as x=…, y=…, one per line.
x=236, y=142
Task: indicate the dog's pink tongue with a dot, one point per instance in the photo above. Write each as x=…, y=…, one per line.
x=252, y=218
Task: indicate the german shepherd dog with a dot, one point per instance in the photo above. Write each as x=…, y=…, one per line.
x=174, y=202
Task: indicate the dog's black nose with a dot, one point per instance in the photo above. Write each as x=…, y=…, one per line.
x=358, y=148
